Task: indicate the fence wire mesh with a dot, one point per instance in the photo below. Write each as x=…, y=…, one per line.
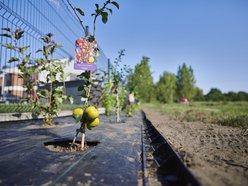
x=37, y=18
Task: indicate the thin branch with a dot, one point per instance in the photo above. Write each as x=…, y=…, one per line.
x=96, y=15
x=94, y=25
x=89, y=89
x=80, y=21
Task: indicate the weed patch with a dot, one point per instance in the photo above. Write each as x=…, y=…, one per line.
x=233, y=114
x=235, y=121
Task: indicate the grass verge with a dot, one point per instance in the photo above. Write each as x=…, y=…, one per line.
x=20, y=108
x=233, y=114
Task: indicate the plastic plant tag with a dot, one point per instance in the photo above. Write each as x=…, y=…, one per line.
x=85, y=54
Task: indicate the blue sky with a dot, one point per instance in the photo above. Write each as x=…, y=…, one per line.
x=209, y=35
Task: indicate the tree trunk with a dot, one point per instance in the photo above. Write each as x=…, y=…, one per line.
x=117, y=106
x=83, y=137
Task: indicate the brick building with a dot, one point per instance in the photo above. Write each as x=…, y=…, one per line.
x=11, y=85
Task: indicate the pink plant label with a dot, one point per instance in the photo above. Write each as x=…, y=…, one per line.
x=85, y=54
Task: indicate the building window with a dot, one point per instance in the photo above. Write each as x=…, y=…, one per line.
x=8, y=78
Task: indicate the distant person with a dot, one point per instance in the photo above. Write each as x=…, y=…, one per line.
x=131, y=98
x=184, y=100
x=131, y=104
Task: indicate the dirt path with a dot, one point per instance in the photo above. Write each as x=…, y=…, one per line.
x=217, y=155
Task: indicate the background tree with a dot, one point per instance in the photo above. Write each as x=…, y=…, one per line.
x=185, y=82
x=215, y=95
x=199, y=96
x=242, y=96
x=141, y=80
x=231, y=96
x=239, y=96
x=166, y=88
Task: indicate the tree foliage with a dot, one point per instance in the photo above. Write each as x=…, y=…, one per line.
x=141, y=80
x=166, y=88
x=239, y=96
x=46, y=101
x=199, y=95
x=115, y=93
x=107, y=100
x=215, y=95
x=185, y=82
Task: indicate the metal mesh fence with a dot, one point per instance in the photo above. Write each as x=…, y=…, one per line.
x=37, y=18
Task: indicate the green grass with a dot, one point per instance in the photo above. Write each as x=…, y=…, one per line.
x=10, y=108
x=224, y=113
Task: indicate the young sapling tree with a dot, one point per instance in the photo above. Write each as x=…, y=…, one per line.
x=86, y=53
x=119, y=75
x=45, y=101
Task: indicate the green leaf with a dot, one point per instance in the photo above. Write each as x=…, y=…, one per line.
x=52, y=78
x=52, y=49
x=43, y=93
x=59, y=99
x=115, y=4
x=49, y=35
x=97, y=6
x=84, y=75
x=84, y=95
x=45, y=51
x=59, y=89
x=21, y=68
x=26, y=59
x=18, y=33
x=6, y=29
x=20, y=76
x=80, y=11
x=45, y=39
x=91, y=38
x=30, y=70
x=23, y=49
x=13, y=59
x=70, y=99
x=56, y=82
x=39, y=61
x=29, y=87
x=5, y=35
x=64, y=97
x=39, y=50
x=58, y=45
x=104, y=17
x=86, y=89
x=110, y=10
x=80, y=88
x=9, y=46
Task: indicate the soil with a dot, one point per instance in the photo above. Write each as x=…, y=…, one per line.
x=66, y=146
x=216, y=155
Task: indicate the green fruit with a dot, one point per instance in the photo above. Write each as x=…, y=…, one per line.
x=91, y=113
x=77, y=114
x=93, y=124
